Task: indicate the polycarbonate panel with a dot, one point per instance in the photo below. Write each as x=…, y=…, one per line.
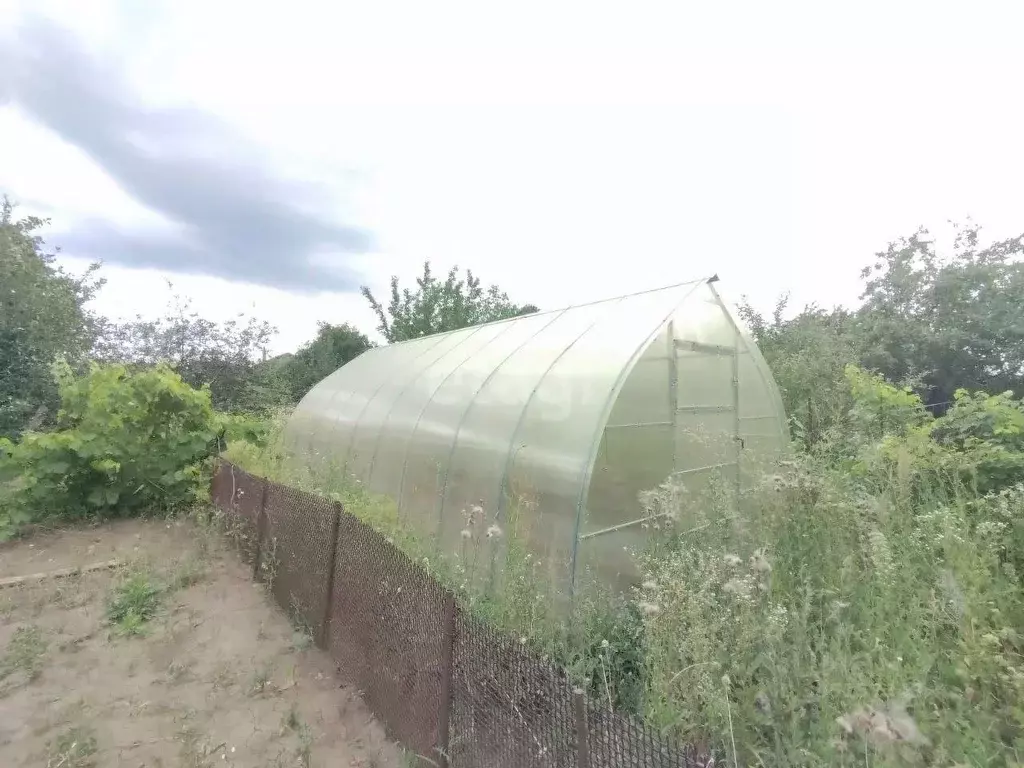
x=372, y=417
x=323, y=421
x=631, y=460
x=389, y=455
x=757, y=402
x=702, y=319
x=760, y=388
x=645, y=397
x=554, y=456
x=487, y=435
x=316, y=417
x=704, y=379
x=430, y=444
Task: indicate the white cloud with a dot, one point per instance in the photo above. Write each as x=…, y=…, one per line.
x=572, y=151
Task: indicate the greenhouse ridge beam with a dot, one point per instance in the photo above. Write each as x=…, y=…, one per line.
x=562, y=310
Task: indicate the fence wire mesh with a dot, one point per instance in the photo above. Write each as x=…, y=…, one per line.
x=297, y=546
x=240, y=495
x=445, y=685
x=387, y=633
x=619, y=741
x=509, y=708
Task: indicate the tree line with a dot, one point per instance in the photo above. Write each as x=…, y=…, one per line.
x=931, y=322
x=45, y=314
x=935, y=324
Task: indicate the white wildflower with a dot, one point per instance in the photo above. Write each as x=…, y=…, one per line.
x=650, y=584
x=737, y=587
x=884, y=726
x=650, y=609
x=494, y=532
x=732, y=560
x=759, y=562
x=466, y=533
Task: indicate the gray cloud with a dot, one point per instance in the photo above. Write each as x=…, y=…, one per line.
x=235, y=217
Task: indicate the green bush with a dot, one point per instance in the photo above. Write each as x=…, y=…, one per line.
x=125, y=442
x=865, y=607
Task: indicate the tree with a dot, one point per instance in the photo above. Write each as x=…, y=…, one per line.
x=954, y=323
x=333, y=346
x=224, y=355
x=435, y=307
x=43, y=316
x=937, y=325
x=808, y=355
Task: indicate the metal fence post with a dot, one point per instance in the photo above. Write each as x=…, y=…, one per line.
x=444, y=710
x=261, y=529
x=579, y=705
x=325, y=623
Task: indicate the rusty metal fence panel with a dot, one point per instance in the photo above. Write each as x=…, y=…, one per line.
x=444, y=684
x=387, y=633
x=297, y=548
x=509, y=708
x=619, y=741
x=240, y=494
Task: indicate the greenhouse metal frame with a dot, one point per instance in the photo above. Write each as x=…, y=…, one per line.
x=561, y=417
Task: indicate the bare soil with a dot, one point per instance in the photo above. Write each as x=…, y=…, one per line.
x=216, y=677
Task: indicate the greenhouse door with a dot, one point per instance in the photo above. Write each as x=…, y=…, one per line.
x=707, y=440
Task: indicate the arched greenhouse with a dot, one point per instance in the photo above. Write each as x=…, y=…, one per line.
x=563, y=416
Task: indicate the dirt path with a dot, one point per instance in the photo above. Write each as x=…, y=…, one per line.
x=197, y=668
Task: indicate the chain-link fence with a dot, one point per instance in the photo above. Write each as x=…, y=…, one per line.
x=453, y=690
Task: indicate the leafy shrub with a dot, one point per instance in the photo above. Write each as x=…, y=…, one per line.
x=865, y=607
x=125, y=442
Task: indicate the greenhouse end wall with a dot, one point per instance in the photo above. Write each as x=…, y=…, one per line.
x=561, y=417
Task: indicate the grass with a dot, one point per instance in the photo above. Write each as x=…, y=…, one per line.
x=293, y=722
x=24, y=653
x=260, y=679
x=75, y=748
x=140, y=593
x=844, y=619
x=133, y=602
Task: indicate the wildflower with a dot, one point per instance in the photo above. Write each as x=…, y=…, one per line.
x=884, y=726
x=476, y=510
x=736, y=587
x=494, y=532
x=522, y=640
x=759, y=562
x=650, y=584
x=732, y=560
x=466, y=533
x=650, y=609
x=604, y=644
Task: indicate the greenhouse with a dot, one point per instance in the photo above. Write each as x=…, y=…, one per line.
x=559, y=418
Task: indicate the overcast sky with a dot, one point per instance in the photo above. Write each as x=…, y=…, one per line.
x=273, y=157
